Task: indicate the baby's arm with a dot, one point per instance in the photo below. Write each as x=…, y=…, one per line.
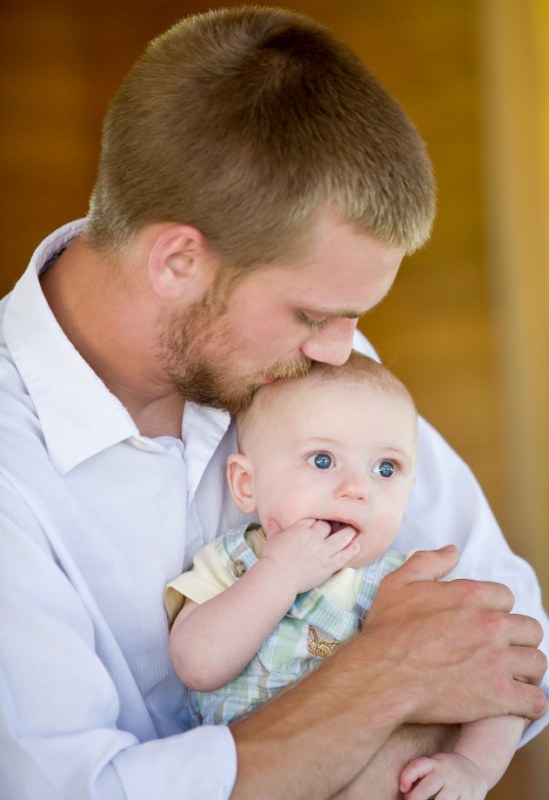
x=212, y=642
x=479, y=758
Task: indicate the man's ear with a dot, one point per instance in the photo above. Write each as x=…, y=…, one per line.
x=180, y=265
x=241, y=482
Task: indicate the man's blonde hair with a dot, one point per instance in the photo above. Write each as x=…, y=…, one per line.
x=246, y=124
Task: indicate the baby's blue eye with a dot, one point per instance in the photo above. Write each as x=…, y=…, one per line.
x=320, y=461
x=385, y=469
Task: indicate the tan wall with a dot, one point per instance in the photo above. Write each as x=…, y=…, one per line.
x=516, y=113
x=515, y=39
x=465, y=324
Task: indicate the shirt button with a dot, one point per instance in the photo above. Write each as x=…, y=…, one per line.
x=239, y=568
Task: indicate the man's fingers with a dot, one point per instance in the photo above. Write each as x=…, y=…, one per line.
x=527, y=700
x=430, y=565
x=529, y=665
x=525, y=631
x=434, y=565
x=458, y=641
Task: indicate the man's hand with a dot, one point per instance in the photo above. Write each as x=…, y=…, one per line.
x=430, y=652
x=307, y=553
x=455, y=645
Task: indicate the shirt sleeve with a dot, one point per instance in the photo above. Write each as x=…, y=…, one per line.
x=447, y=506
x=207, y=578
x=61, y=727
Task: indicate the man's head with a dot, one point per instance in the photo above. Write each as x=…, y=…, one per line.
x=247, y=124
x=268, y=185
x=338, y=444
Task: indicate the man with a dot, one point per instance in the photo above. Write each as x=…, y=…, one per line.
x=256, y=193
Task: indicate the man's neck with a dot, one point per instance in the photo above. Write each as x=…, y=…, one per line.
x=154, y=415
x=110, y=321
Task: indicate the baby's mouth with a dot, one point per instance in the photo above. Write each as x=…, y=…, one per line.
x=337, y=525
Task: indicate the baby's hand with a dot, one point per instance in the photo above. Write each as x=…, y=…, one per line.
x=457, y=776
x=306, y=554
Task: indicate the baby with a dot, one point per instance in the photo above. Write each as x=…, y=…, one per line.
x=327, y=463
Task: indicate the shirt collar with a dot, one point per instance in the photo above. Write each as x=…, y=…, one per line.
x=79, y=416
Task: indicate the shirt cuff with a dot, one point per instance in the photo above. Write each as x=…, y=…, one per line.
x=197, y=765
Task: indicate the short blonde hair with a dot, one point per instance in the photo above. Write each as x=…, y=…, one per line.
x=247, y=123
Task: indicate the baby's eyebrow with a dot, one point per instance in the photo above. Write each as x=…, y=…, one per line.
x=389, y=450
x=318, y=441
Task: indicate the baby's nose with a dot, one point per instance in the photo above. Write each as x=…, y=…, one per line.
x=354, y=486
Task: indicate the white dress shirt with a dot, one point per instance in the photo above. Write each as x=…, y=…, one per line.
x=94, y=520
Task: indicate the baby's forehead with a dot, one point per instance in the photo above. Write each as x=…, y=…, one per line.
x=298, y=395
x=277, y=396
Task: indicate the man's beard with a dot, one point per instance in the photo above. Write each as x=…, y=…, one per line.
x=184, y=344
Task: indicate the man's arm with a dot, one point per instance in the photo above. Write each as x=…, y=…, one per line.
x=430, y=652
x=73, y=722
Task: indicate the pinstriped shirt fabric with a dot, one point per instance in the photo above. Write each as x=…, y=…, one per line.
x=94, y=519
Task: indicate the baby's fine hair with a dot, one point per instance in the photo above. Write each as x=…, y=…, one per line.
x=358, y=368
x=361, y=367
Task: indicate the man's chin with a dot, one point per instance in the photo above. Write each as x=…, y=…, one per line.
x=233, y=403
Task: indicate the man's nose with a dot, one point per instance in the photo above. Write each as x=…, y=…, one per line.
x=332, y=344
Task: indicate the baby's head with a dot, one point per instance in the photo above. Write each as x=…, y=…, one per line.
x=338, y=444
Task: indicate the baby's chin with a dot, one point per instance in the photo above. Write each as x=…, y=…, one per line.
x=360, y=560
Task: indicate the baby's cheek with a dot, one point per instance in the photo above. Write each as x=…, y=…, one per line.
x=302, y=499
x=387, y=526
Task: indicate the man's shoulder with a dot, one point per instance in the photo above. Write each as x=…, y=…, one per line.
x=19, y=423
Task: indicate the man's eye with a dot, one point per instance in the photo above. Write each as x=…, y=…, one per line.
x=317, y=324
x=321, y=461
x=312, y=324
x=385, y=469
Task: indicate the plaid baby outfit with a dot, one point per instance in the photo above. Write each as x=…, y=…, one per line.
x=311, y=630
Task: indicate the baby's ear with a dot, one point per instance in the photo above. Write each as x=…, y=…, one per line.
x=241, y=483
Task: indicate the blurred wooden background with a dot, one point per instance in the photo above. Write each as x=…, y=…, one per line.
x=466, y=323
